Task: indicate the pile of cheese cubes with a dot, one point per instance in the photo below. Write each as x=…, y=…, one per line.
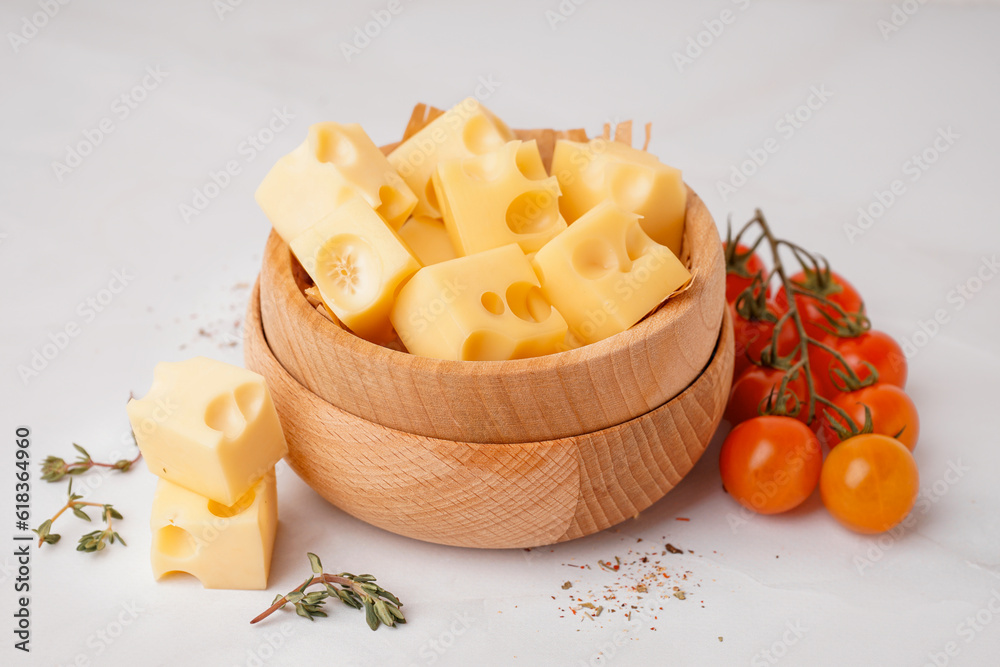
x=463, y=244
x=209, y=430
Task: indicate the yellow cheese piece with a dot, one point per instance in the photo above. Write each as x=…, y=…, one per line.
x=484, y=307
x=208, y=426
x=604, y=273
x=224, y=546
x=334, y=164
x=499, y=198
x=635, y=180
x=427, y=239
x=465, y=130
x=358, y=263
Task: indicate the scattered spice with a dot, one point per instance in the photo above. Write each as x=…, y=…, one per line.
x=567, y=585
x=672, y=549
x=638, y=575
x=608, y=566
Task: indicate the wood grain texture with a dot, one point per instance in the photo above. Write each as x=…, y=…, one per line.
x=492, y=495
x=558, y=395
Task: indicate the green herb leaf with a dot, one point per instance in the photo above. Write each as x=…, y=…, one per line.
x=314, y=562
x=370, y=616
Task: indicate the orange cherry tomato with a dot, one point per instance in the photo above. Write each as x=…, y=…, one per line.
x=754, y=385
x=877, y=348
x=893, y=414
x=869, y=483
x=838, y=291
x=751, y=336
x=739, y=277
x=770, y=464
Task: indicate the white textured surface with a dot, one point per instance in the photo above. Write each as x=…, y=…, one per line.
x=118, y=210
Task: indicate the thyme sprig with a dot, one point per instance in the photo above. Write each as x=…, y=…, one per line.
x=93, y=541
x=358, y=591
x=55, y=468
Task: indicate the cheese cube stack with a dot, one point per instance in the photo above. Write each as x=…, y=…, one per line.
x=604, y=273
x=210, y=431
x=333, y=165
x=592, y=172
x=484, y=307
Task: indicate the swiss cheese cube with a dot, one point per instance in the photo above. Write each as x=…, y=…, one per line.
x=484, y=307
x=465, y=130
x=428, y=240
x=208, y=426
x=499, y=198
x=334, y=164
x=357, y=263
x=635, y=180
x=604, y=273
x=224, y=546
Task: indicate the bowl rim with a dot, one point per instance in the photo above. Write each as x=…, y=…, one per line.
x=255, y=320
x=670, y=309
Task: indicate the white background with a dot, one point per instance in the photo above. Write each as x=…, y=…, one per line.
x=897, y=600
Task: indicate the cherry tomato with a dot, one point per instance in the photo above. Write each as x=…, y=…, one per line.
x=754, y=385
x=770, y=464
x=739, y=277
x=753, y=335
x=893, y=414
x=869, y=483
x=838, y=291
x=877, y=348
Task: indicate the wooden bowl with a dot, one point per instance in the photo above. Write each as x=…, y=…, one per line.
x=556, y=396
x=493, y=495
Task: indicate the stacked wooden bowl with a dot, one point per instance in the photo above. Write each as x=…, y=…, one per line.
x=505, y=453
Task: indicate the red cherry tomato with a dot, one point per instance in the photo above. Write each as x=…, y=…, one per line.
x=869, y=483
x=753, y=335
x=754, y=385
x=770, y=464
x=877, y=348
x=740, y=276
x=893, y=414
x=837, y=290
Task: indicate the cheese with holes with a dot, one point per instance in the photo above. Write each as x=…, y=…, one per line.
x=465, y=130
x=498, y=198
x=357, y=263
x=427, y=239
x=484, y=307
x=208, y=426
x=223, y=546
x=334, y=164
x=635, y=180
x=604, y=273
